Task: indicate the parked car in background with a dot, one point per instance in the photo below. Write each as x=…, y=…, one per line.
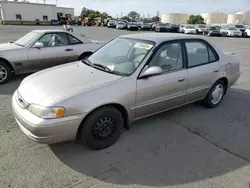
x=145, y=26
x=181, y=28
x=200, y=28
x=231, y=31
x=189, y=29
x=212, y=31
x=112, y=24
x=241, y=27
x=161, y=27
x=138, y=68
x=121, y=25
x=132, y=26
x=153, y=26
x=40, y=49
x=172, y=28
x=247, y=32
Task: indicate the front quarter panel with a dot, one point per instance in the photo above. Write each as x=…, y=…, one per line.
x=17, y=61
x=121, y=91
x=88, y=47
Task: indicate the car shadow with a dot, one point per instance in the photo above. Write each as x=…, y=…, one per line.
x=184, y=145
x=10, y=87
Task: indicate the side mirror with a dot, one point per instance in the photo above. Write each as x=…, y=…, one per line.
x=38, y=45
x=151, y=71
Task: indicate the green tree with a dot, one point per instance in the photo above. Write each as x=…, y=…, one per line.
x=133, y=16
x=155, y=19
x=126, y=18
x=195, y=19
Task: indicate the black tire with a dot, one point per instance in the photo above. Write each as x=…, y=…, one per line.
x=208, y=101
x=5, y=68
x=85, y=55
x=94, y=140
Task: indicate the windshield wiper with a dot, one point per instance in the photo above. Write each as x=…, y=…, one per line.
x=19, y=44
x=105, y=68
x=87, y=62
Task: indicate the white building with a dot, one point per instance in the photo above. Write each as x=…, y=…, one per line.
x=214, y=18
x=25, y=11
x=174, y=18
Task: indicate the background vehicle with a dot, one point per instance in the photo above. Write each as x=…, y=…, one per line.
x=231, y=31
x=40, y=49
x=146, y=26
x=181, y=28
x=200, y=28
x=189, y=29
x=172, y=28
x=241, y=27
x=161, y=27
x=112, y=24
x=82, y=105
x=212, y=31
x=132, y=26
x=247, y=32
x=121, y=25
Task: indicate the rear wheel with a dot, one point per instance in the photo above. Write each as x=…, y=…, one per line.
x=102, y=128
x=215, y=95
x=5, y=72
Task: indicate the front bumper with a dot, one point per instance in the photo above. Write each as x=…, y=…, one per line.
x=234, y=34
x=45, y=131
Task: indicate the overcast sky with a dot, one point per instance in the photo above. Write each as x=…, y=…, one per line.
x=116, y=7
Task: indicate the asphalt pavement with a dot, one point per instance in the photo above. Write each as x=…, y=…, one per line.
x=189, y=147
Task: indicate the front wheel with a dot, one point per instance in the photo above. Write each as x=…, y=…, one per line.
x=5, y=72
x=215, y=95
x=102, y=128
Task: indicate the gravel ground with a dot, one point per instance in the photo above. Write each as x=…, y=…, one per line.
x=187, y=147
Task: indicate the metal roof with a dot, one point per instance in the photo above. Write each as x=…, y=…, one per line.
x=159, y=37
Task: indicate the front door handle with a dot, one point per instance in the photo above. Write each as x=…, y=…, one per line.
x=216, y=70
x=181, y=79
x=69, y=49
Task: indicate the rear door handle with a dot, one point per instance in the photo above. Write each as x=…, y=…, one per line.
x=181, y=79
x=69, y=49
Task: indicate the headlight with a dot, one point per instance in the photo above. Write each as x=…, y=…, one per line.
x=46, y=112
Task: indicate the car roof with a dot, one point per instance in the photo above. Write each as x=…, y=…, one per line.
x=160, y=37
x=49, y=30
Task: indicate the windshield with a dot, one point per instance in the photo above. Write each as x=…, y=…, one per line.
x=212, y=28
x=202, y=26
x=240, y=26
x=121, y=23
x=161, y=25
x=28, y=38
x=232, y=28
x=190, y=27
x=174, y=25
x=122, y=55
x=132, y=23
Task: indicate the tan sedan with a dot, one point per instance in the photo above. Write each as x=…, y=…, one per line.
x=131, y=77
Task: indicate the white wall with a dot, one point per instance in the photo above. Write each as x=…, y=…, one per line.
x=213, y=18
x=235, y=19
x=32, y=11
x=174, y=18
x=65, y=11
x=246, y=16
x=28, y=11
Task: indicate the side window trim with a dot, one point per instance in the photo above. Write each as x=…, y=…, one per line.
x=52, y=33
x=208, y=46
x=157, y=48
x=69, y=35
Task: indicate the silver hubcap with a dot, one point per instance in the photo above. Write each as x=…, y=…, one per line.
x=3, y=73
x=217, y=94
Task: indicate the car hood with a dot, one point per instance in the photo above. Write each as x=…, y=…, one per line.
x=54, y=84
x=9, y=46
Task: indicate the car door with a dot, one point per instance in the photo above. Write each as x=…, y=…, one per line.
x=203, y=68
x=76, y=48
x=165, y=91
x=54, y=51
